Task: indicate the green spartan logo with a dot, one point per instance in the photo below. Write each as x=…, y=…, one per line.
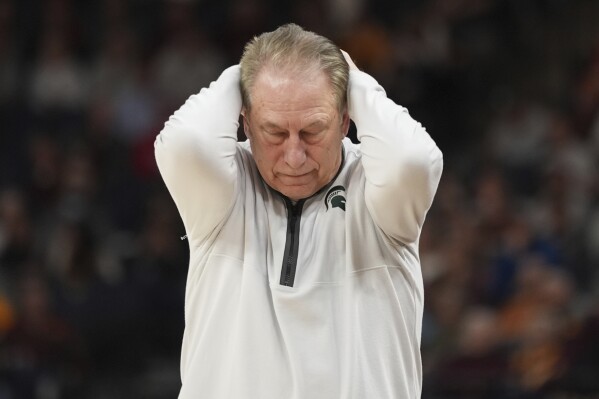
x=335, y=197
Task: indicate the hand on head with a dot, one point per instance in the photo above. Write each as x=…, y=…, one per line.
x=352, y=65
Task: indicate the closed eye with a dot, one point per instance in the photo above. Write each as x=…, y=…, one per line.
x=276, y=136
x=311, y=135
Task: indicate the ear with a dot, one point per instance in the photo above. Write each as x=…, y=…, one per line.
x=246, y=123
x=345, y=122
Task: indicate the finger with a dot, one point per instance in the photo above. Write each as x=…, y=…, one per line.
x=350, y=62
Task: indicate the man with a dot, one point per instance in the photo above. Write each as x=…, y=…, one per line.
x=304, y=278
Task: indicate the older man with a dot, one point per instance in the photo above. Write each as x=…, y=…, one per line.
x=304, y=278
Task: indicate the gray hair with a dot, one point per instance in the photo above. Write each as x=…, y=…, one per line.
x=293, y=48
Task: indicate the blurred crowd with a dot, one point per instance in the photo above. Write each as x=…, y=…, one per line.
x=92, y=264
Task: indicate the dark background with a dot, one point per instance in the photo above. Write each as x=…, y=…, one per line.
x=92, y=267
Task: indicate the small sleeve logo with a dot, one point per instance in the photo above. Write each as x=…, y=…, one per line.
x=335, y=198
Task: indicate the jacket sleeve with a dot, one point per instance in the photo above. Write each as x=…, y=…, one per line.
x=402, y=164
x=195, y=153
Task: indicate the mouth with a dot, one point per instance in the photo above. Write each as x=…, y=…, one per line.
x=295, y=175
x=295, y=179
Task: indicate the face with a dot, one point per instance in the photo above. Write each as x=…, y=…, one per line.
x=295, y=131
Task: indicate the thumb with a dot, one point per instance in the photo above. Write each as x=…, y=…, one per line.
x=352, y=65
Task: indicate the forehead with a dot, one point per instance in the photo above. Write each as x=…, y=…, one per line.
x=285, y=93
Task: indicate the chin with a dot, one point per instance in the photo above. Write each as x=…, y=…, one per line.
x=296, y=193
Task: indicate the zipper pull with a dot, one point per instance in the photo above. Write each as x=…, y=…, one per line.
x=184, y=237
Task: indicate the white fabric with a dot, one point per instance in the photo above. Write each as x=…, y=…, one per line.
x=350, y=325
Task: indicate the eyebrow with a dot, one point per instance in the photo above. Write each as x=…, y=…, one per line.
x=318, y=122
x=270, y=125
x=274, y=126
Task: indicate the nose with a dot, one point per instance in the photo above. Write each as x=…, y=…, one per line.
x=295, y=153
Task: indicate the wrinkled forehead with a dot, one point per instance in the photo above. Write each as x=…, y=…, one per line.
x=305, y=75
x=282, y=88
x=285, y=99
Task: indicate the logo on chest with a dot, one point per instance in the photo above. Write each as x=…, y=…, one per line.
x=335, y=198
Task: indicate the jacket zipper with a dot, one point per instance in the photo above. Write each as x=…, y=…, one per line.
x=294, y=214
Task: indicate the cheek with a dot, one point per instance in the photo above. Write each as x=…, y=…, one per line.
x=265, y=155
x=328, y=153
x=321, y=157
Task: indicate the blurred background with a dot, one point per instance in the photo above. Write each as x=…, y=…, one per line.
x=92, y=267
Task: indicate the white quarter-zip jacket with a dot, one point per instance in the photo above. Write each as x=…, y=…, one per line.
x=318, y=299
